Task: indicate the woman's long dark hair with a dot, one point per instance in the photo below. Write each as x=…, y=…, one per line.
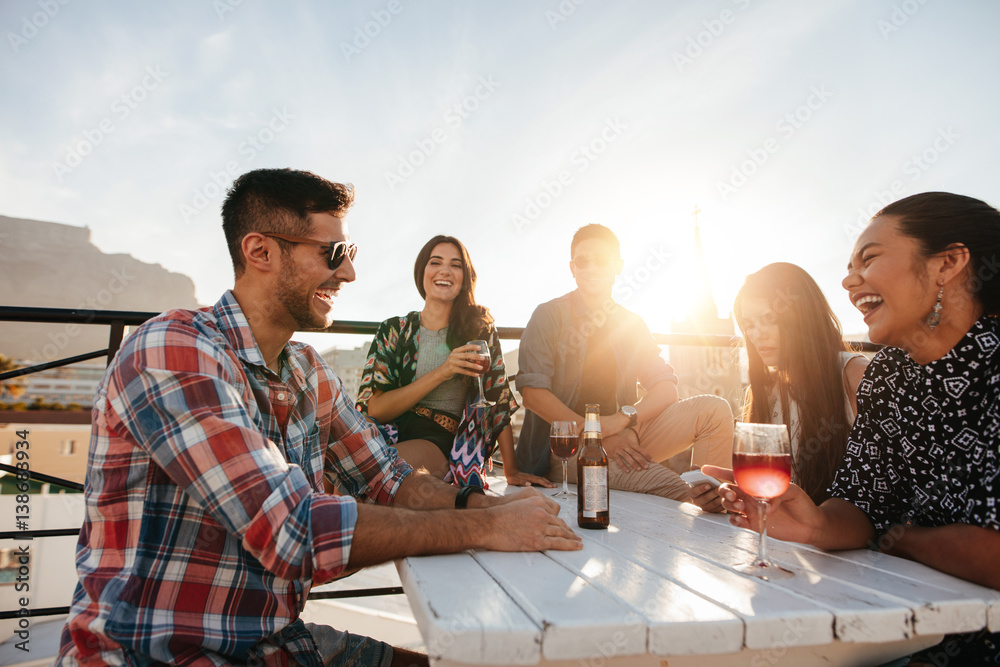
x=809, y=371
x=468, y=320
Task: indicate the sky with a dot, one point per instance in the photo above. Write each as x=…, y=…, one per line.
x=508, y=124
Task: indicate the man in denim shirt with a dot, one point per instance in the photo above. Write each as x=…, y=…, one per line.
x=584, y=348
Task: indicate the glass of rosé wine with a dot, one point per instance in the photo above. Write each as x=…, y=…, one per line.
x=482, y=361
x=762, y=466
x=564, y=439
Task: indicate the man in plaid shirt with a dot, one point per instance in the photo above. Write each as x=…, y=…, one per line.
x=207, y=521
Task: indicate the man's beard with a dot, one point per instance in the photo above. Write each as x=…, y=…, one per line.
x=295, y=299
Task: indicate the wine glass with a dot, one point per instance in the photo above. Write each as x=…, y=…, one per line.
x=762, y=466
x=482, y=362
x=564, y=438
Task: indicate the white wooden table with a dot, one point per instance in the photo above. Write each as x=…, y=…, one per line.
x=656, y=589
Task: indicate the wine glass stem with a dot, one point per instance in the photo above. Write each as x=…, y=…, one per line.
x=762, y=547
x=482, y=396
x=565, y=473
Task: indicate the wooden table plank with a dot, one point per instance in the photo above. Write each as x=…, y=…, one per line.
x=939, y=603
x=659, y=583
x=465, y=615
x=860, y=616
x=768, y=613
x=679, y=622
x=578, y=620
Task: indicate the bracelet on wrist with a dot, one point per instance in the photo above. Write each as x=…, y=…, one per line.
x=462, y=499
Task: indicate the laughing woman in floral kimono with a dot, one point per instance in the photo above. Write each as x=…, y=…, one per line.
x=413, y=383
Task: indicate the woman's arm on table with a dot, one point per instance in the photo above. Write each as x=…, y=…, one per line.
x=968, y=552
x=836, y=524
x=510, y=470
x=961, y=550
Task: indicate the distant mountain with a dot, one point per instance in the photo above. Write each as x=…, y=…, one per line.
x=47, y=264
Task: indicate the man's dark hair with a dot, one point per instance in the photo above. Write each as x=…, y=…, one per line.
x=278, y=201
x=595, y=231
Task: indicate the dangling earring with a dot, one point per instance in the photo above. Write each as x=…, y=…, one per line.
x=934, y=318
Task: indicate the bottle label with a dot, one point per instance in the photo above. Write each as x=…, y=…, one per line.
x=595, y=490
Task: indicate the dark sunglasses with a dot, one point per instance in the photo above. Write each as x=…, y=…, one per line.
x=600, y=261
x=338, y=250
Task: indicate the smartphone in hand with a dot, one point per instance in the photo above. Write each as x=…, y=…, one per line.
x=696, y=477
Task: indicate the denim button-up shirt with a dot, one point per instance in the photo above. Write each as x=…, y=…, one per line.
x=553, y=348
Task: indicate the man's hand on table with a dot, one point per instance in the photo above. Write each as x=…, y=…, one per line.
x=525, y=520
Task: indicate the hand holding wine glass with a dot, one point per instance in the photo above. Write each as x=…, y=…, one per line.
x=762, y=466
x=482, y=361
x=792, y=517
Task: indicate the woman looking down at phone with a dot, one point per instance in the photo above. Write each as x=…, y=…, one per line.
x=801, y=372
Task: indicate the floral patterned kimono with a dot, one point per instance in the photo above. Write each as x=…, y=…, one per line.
x=392, y=363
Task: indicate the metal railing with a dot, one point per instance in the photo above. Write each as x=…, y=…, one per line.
x=120, y=320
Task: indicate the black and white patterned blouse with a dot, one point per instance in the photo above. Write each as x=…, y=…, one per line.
x=925, y=448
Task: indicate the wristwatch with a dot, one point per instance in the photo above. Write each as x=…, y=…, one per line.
x=631, y=413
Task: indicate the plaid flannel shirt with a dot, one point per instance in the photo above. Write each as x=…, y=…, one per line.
x=206, y=521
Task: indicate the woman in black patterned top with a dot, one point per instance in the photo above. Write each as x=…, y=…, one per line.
x=921, y=477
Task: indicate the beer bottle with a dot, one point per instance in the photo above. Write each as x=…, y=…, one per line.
x=592, y=475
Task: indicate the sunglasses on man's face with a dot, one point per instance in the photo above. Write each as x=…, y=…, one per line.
x=338, y=250
x=600, y=261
